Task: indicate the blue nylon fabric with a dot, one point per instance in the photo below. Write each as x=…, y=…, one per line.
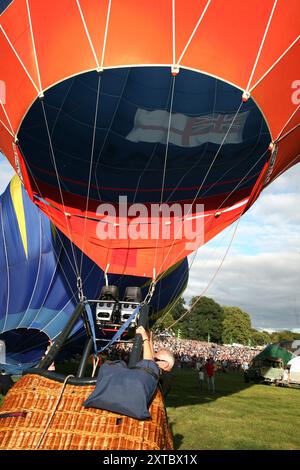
x=120, y=165
x=37, y=292
x=4, y=4
x=37, y=296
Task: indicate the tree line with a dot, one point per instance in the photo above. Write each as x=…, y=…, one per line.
x=209, y=321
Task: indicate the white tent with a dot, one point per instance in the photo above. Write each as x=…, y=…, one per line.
x=294, y=370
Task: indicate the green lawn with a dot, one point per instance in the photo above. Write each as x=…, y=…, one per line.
x=239, y=416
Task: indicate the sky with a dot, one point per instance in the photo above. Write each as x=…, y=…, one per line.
x=261, y=273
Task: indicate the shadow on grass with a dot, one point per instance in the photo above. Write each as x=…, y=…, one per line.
x=185, y=389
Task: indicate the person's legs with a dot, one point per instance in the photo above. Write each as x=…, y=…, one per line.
x=212, y=384
x=208, y=384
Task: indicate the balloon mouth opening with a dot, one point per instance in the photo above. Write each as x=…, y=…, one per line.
x=23, y=346
x=145, y=138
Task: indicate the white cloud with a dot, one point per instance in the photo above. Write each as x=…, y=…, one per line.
x=6, y=173
x=261, y=273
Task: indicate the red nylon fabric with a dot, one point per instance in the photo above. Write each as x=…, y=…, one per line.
x=226, y=45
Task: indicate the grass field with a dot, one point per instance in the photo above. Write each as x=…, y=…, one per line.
x=238, y=416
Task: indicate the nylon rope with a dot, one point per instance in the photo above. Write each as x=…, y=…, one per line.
x=38, y=272
x=204, y=150
x=105, y=33
x=69, y=301
x=165, y=162
x=49, y=216
x=108, y=131
x=95, y=365
x=8, y=120
x=205, y=177
x=54, y=411
x=287, y=133
x=235, y=188
x=147, y=163
x=58, y=262
x=90, y=171
x=20, y=60
x=226, y=172
x=5, y=127
x=189, y=268
x=152, y=286
x=287, y=123
x=289, y=165
x=41, y=94
x=88, y=34
x=194, y=32
x=174, y=32
x=59, y=186
x=169, y=99
x=212, y=278
x=274, y=64
x=262, y=44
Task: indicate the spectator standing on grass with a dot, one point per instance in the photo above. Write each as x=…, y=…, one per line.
x=201, y=377
x=210, y=374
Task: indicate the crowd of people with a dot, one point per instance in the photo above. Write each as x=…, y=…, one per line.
x=189, y=353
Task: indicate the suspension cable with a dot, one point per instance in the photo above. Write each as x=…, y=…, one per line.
x=56, y=231
x=59, y=185
x=211, y=280
x=88, y=34
x=165, y=161
x=194, y=31
x=41, y=94
x=205, y=177
x=38, y=271
x=261, y=45
x=235, y=188
x=274, y=64
x=8, y=120
x=90, y=170
x=20, y=60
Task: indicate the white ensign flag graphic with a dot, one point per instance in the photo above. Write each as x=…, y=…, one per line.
x=187, y=131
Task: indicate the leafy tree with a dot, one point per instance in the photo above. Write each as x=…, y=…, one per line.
x=285, y=335
x=236, y=326
x=205, y=320
x=168, y=318
x=164, y=322
x=179, y=309
x=260, y=338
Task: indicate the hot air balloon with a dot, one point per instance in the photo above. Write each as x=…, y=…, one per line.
x=165, y=103
x=38, y=290
x=143, y=129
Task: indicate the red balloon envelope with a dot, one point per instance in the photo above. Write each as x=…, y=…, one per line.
x=186, y=110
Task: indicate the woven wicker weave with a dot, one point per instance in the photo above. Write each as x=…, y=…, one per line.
x=72, y=426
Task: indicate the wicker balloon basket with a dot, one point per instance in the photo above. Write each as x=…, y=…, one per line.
x=49, y=415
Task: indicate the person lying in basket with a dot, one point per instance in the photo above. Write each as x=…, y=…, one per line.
x=129, y=391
